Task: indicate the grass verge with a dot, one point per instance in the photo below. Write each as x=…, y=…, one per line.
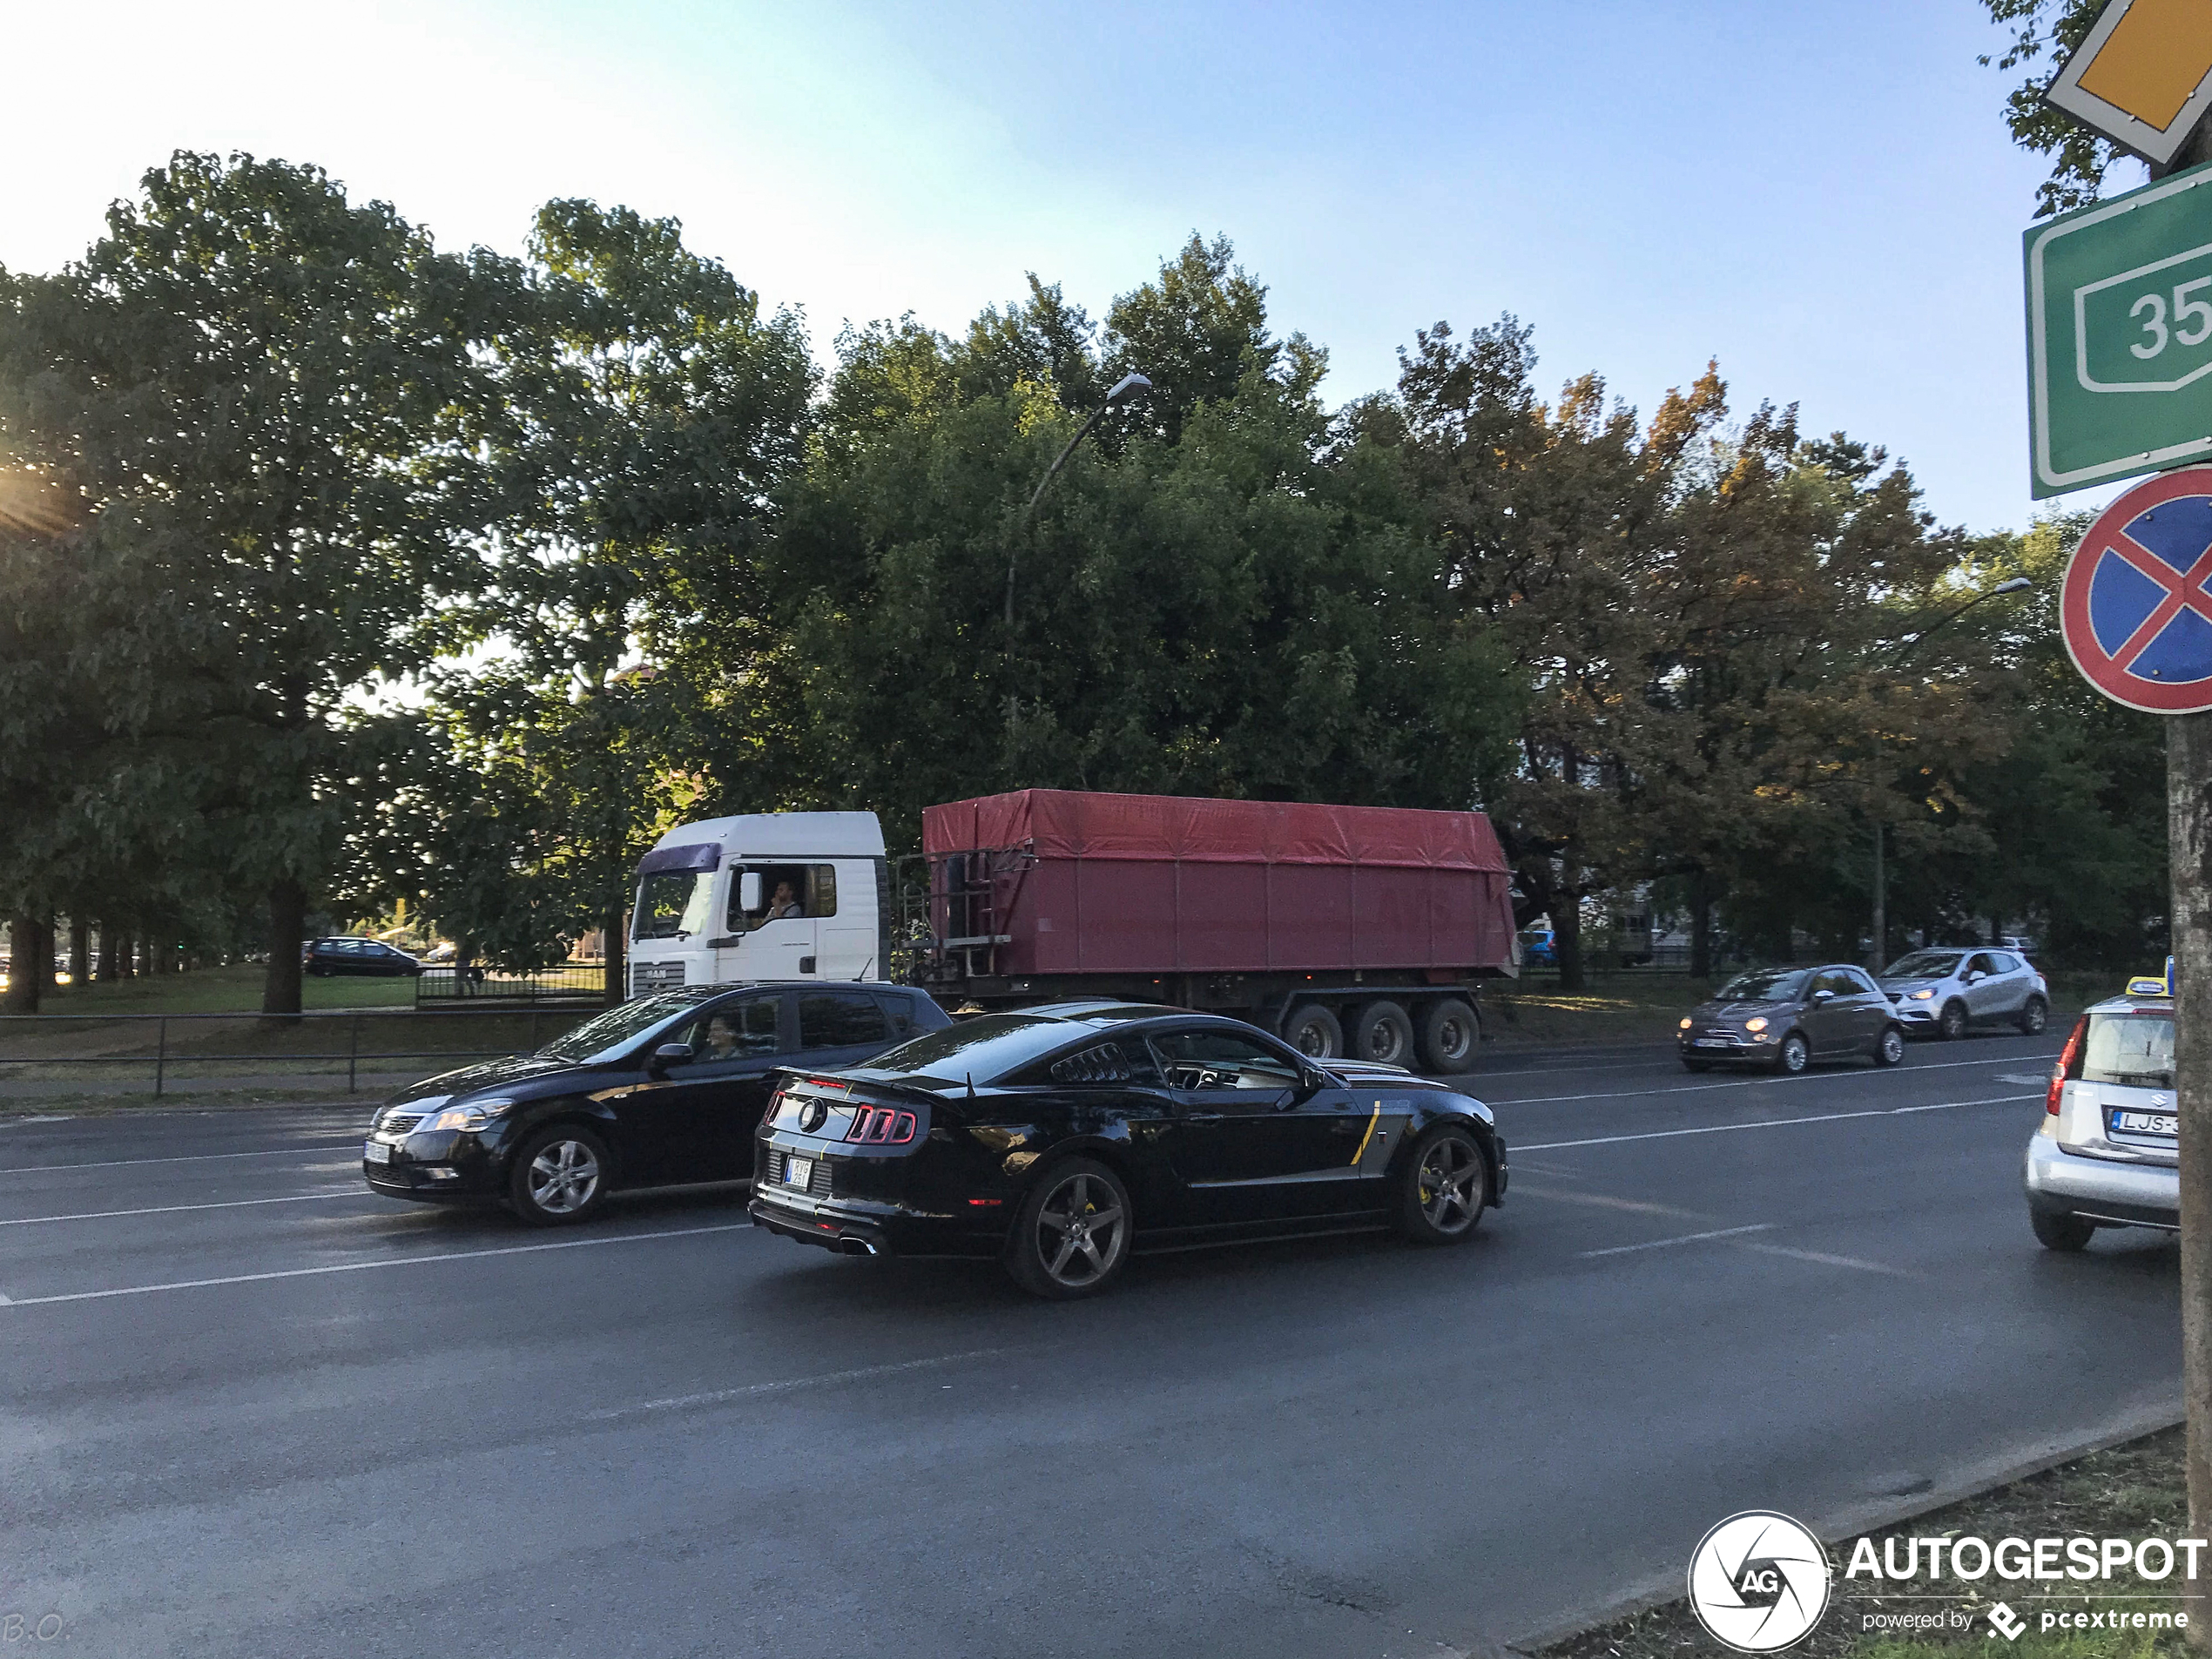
x=2130, y=1491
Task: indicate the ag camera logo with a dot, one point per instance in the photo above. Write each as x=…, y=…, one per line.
x=1758, y=1581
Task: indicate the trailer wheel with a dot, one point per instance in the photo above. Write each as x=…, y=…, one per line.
x=1449, y=1034
x=1383, y=1034
x=1313, y=1031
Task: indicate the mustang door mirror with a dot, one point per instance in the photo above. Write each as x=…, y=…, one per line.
x=748, y=890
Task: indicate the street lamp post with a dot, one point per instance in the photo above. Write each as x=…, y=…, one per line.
x=1127, y=386
x=2017, y=584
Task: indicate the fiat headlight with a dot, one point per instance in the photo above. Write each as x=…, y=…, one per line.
x=1755, y=1026
x=475, y=1116
x=1685, y=1022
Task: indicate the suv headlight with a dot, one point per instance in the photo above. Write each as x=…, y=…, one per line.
x=1923, y=994
x=475, y=1116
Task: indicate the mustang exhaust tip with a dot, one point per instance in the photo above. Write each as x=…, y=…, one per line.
x=851, y=1246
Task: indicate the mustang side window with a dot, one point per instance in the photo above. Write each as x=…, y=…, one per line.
x=1106, y=1063
x=1197, y=1059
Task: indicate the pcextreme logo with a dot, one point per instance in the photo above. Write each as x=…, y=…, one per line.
x=1758, y=1581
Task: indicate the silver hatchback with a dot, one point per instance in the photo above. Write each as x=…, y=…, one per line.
x=2107, y=1153
x=1946, y=993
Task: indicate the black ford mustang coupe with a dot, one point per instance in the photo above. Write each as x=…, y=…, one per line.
x=1060, y=1138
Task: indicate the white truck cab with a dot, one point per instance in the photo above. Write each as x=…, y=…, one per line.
x=766, y=896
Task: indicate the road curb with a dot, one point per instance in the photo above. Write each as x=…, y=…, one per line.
x=1850, y=1521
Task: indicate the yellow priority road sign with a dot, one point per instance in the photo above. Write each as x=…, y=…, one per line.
x=2143, y=77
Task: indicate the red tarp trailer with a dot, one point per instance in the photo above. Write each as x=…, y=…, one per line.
x=1081, y=883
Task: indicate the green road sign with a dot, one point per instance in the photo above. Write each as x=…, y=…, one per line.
x=2119, y=336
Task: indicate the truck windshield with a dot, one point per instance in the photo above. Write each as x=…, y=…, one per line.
x=985, y=1048
x=2132, y=1051
x=672, y=904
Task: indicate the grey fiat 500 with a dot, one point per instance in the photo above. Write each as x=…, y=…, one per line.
x=2106, y=1153
x=1946, y=993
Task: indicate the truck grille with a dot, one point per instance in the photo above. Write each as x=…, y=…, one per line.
x=655, y=976
x=817, y=1184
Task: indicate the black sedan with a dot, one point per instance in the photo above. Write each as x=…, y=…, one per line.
x=348, y=954
x=1786, y=1018
x=1060, y=1139
x=665, y=1090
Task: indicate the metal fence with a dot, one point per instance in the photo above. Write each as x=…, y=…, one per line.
x=42, y=1054
x=576, y=983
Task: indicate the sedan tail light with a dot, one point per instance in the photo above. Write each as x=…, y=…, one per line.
x=882, y=1126
x=2069, y=1064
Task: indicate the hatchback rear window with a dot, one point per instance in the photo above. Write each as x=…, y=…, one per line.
x=2133, y=1050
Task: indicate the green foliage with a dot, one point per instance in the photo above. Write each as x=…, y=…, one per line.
x=2043, y=33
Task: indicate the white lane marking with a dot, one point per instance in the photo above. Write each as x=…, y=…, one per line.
x=1686, y=1238
x=751, y=1390
x=1741, y=1083
x=1771, y=1122
x=185, y=1158
x=1552, y=1195
x=363, y=1267
x=1826, y=1260
x=172, y=1209
x=2015, y=1077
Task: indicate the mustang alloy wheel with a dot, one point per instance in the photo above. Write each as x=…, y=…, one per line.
x=1443, y=1188
x=561, y=1176
x=1072, y=1234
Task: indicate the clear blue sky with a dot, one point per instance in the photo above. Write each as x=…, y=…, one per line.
x=1820, y=194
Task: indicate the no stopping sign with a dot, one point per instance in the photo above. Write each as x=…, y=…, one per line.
x=2135, y=611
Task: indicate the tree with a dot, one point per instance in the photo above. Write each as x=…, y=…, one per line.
x=650, y=412
x=2044, y=33
x=267, y=396
x=1236, y=609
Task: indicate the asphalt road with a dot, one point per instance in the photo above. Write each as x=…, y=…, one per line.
x=249, y=1408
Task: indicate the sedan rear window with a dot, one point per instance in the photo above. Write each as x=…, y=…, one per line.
x=2131, y=1050
x=985, y=1048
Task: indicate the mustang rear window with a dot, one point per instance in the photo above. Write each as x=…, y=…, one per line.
x=985, y=1048
x=2131, y=1050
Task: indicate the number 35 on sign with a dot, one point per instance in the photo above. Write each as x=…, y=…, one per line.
x=2119, y=336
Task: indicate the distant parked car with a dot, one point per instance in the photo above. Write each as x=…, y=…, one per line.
x=1789, y=1017
x=2107, y=1153
x=348, y=953
x=1539, y=947
x=1946, y=993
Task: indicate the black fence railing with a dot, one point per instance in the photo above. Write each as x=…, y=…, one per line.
x=42, y=1054
x=570, y=982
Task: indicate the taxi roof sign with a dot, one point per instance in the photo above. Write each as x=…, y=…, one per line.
x=2153, y=984
x=2143, y=76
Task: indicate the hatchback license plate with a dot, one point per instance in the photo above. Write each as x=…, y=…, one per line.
x=798, y=1171
x=1711, y=1042
x=377, y=1152
x=2145, y=1123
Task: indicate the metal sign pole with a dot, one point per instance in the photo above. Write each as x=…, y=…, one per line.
x=2188, y=816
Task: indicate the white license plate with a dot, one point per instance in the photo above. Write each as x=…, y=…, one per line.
x=798, y=1171
x=377, y=1152
x=1711, y=1042
x=2146, y=1123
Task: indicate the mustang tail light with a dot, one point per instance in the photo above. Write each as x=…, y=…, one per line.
x=882, y=1126
x=775, y=1105
x=2069, y=1064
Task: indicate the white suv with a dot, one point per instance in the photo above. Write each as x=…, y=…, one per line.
x=1946, y=993
x=2107, y=1153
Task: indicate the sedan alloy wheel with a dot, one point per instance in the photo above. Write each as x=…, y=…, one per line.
x=560, y=1177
